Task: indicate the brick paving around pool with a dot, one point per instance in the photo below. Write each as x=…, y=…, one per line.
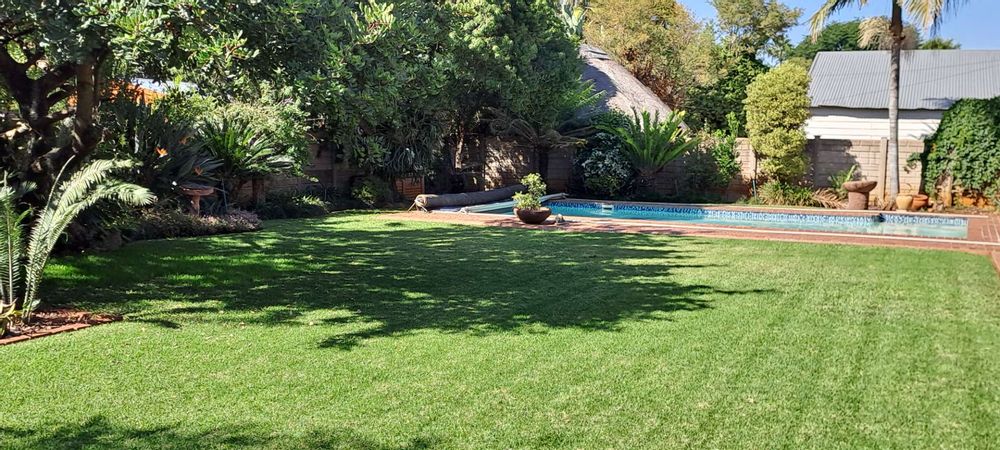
x=983, y=237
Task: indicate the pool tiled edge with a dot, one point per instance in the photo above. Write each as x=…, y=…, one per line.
x=983, y=238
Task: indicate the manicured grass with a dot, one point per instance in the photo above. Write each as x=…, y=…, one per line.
x=364, y=332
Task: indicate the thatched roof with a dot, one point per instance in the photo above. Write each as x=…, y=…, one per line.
x=621, y=90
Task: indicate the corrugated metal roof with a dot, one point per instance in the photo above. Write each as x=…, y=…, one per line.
x=929, y=79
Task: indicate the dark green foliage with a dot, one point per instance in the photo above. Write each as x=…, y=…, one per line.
x=289, y=205
x=838, y=179
x=160, y=223
x=778, y=193
x=940, y=43
x=835, y=37
x=966, y=147
x=603, y=167
x=372, y=191
x=161, y=139
x=244, y=152
x=709, y=169
x=708, y=105
x=651, y=142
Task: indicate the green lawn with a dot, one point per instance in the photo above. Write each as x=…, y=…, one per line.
x=363, y=332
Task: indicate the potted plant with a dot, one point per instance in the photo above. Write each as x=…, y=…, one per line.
x=528, y=203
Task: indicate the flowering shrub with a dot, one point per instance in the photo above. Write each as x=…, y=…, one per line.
x=604, y=167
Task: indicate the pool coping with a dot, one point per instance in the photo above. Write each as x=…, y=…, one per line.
x=983, y=235
x=772, y=209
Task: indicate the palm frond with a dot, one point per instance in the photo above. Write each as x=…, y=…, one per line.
x=929, y=13
x=652, y=143
x=11, y=249
x=85, y=188
x=818, y=20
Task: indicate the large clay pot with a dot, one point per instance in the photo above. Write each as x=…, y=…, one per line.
x=533, y=216
x=919, y=202
x=904, y=202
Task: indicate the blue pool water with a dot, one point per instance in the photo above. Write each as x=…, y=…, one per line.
x=883, y=224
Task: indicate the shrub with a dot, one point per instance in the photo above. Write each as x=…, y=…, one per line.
x=531, y=197
x=604, y=167
x=159, y=223
x=651, y=143
x=727, y=158
x=779, y=193
x=777, y=106
x=838, y=179
x=291, y=206
x=966, y=147
x=372, y=191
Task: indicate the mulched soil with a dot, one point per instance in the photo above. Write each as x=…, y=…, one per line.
x=54, y=320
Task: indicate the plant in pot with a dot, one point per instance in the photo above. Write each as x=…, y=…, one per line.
x=528, y=203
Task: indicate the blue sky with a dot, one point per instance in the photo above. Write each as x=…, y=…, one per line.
x=973, y=25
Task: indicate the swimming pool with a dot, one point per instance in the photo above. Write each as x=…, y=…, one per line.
x=871, y=223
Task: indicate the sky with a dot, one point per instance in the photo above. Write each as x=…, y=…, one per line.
x=973, y=24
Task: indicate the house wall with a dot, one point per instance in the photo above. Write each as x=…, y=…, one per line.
x=847, y=123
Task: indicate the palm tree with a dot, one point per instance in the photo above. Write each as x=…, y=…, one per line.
x=926, y=13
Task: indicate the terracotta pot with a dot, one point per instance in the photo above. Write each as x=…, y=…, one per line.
x=919, y=202
x=533, y=216
x=903, y=202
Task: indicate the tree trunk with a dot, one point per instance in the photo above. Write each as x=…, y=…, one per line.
x=257, y=191
x=84, y=138
x=542, y=155
x=892, y=155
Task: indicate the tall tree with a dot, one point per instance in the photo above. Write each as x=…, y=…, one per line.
x=757, y=27
x=59, y=59
x=657, y=40
x=847, y=36
x=925, y=13
x=940, y=43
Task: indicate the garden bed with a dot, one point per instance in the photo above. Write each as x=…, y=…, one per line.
x=55, y=320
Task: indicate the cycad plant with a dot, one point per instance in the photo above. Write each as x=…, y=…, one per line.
x=244, y=152
x=22, y=261
x=651, y=143
x=163, y=144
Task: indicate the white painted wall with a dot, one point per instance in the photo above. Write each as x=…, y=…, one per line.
x=846, y=123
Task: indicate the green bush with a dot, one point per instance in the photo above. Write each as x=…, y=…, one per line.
x=604, y=168
x=159, y=223
x=287, y=205
x=372, y=191
x=651, y=142
x=778, y=193
x=966, y=147
x=531, y=197
x=838, y=179
x=777, y=106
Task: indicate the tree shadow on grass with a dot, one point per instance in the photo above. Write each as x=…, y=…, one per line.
x=389, y=279
x=99, y=432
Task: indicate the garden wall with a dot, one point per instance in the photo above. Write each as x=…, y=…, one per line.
x=504, y=162
x=829, y=156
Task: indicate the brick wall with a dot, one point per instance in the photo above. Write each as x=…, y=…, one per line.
x=829, y=156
